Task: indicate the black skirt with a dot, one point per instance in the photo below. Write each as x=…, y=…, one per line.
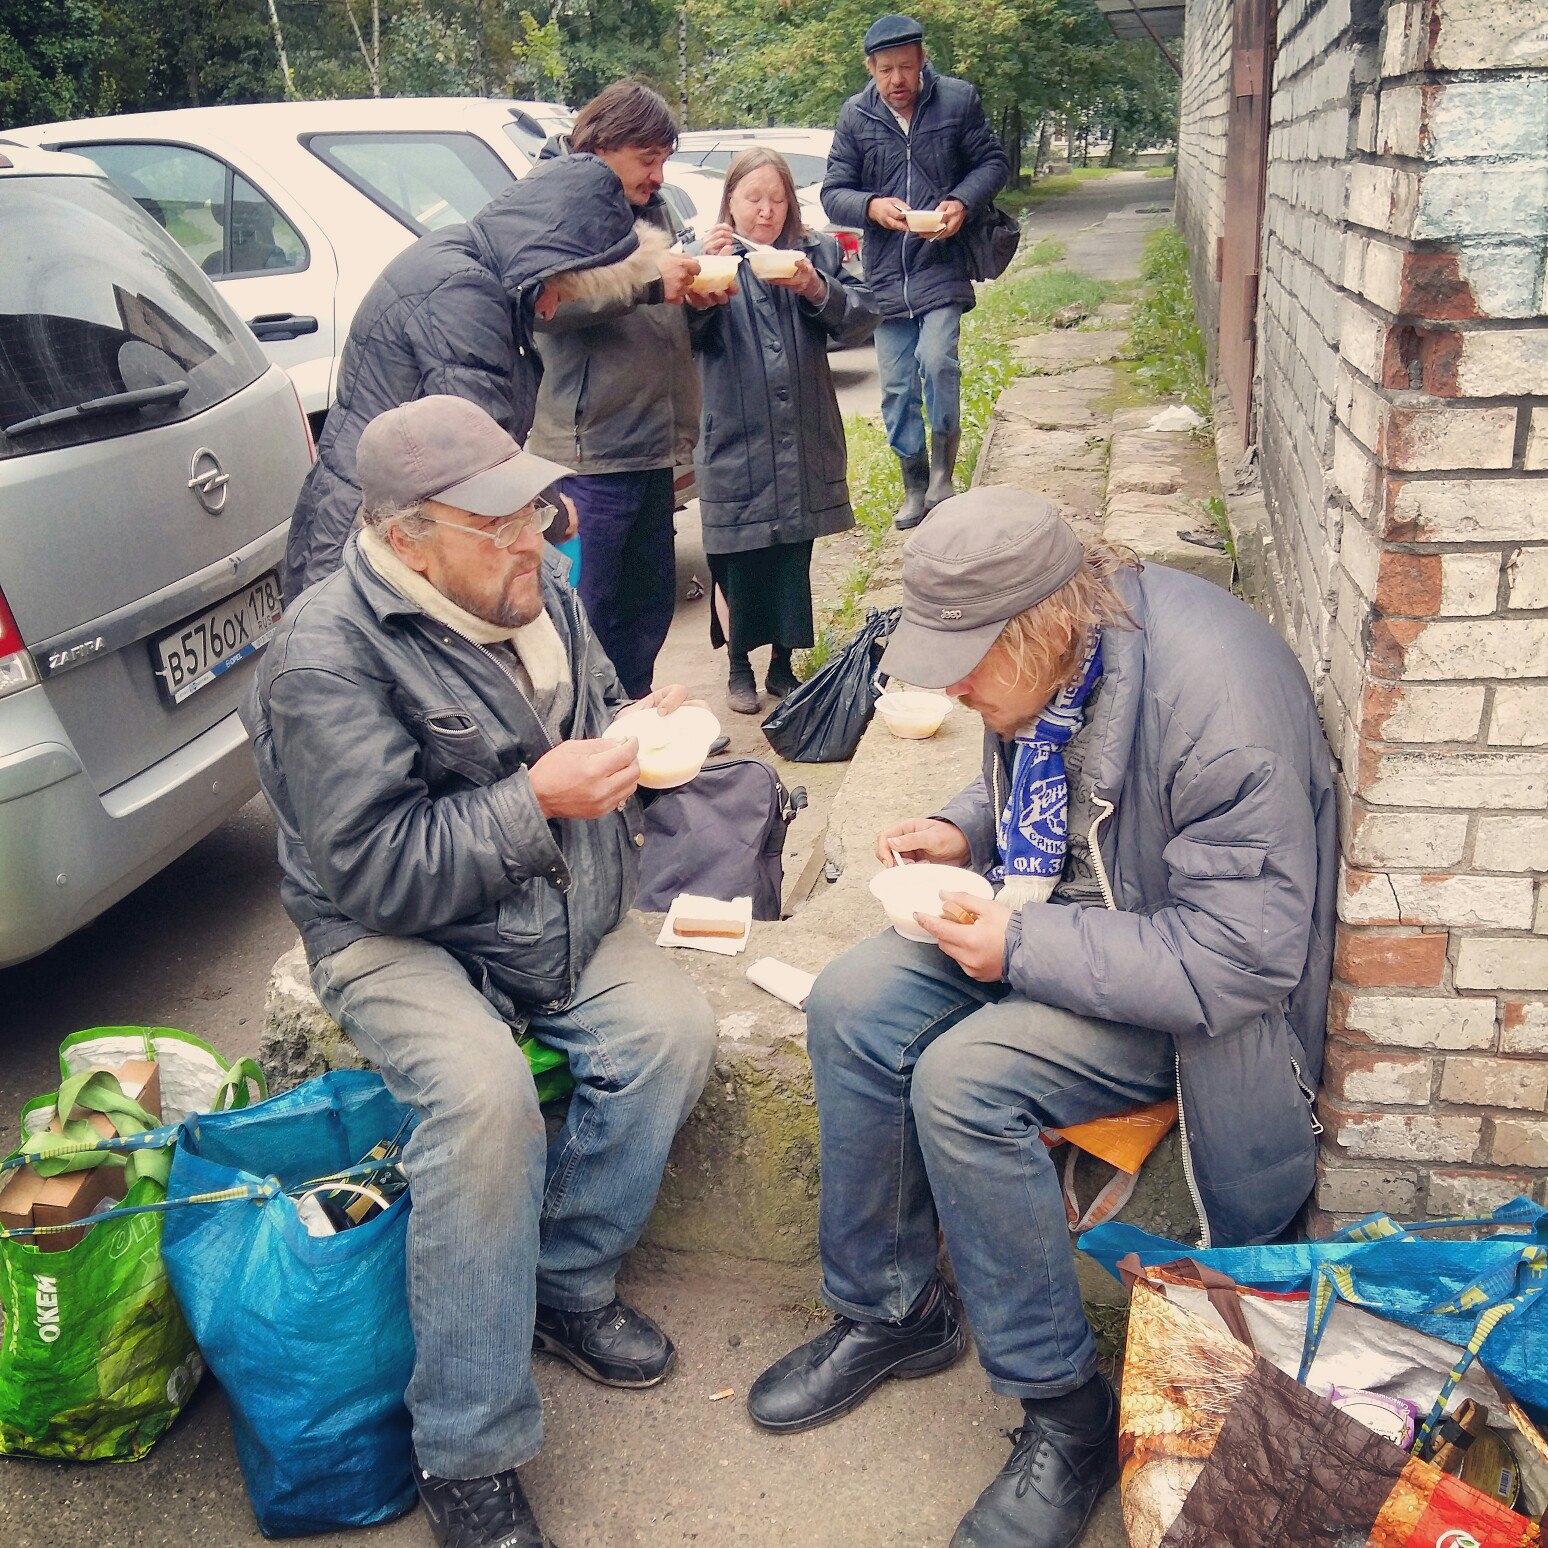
x=767, y=595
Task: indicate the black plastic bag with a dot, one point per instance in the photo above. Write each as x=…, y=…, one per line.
x=991, y=240
x=721, y=835
x=824, y=719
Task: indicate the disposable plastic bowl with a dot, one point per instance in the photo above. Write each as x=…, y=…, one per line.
x=775, y=265
x=716, y=273
x=672, y=747
x=906, y=890
x=925, y=222
x=912, y=713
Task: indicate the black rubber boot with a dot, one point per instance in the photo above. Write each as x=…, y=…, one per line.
x=943, y=463
x=1063, y=1459
x=842, y=1366
x=781, y=678
x=742, y=687
x=614, y=1345
x=479, y=1512
x=916, y=481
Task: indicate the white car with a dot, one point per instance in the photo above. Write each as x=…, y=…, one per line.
x=711, y=152
x=294, y=208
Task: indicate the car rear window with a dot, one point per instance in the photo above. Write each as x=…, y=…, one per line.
x=426, y=180
x=96, y=300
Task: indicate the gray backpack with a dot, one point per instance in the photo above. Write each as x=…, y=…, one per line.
x=722, y=835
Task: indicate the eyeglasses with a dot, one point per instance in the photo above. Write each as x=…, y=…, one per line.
x=537, y=515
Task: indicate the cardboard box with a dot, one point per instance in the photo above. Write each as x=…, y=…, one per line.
x=31, y=1200
x=140, y=1079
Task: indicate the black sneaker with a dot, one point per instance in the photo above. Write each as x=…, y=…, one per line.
x=479, y=1512
x=615, y=1344
x=841, y=1367
x=1044, y=1495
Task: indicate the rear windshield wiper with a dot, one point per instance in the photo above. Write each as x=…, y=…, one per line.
x=113, y=403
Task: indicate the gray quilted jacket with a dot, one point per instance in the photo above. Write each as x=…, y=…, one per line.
x=1217, y=828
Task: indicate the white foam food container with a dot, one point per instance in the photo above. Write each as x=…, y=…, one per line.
x=673, y=747
x=906, y=890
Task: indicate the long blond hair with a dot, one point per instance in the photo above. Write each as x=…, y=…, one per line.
x=1047, y=643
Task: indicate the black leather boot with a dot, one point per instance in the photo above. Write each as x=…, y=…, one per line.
x=943, y=463
x=842, y=1366
x=780, y=678
x=615, y=1344
x=479, y=1512
x=1063, y=1459
x=916, y=481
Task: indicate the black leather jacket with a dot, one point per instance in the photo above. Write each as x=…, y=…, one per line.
x=395, y=754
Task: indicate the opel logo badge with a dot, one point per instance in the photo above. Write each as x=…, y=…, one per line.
x=208, y=480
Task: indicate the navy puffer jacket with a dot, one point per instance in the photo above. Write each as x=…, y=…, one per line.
x=453, y=314
x=949, y=152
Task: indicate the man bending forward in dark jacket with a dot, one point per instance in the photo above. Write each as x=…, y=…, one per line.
x=1157, y=809
x=914, y=140
x=460, y=850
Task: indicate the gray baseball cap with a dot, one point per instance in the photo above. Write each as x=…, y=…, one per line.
x=979, y=559
x=448, y=449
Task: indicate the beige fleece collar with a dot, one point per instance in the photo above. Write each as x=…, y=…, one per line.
x=537, y=644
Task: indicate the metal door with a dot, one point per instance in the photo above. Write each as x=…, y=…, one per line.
x=1252, y=60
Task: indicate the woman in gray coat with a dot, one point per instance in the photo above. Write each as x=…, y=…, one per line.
x=770, y=462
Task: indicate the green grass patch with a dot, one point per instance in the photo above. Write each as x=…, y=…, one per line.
x=1028, y=295
x=1166, y=348
x=1160, y=171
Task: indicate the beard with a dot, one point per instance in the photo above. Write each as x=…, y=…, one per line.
x=507, y=610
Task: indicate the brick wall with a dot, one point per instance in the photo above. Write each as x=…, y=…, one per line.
x=1402, y=431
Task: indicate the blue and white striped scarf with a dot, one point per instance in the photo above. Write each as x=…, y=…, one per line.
x=1032, y=833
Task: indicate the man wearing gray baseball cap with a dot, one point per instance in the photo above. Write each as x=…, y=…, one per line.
x=1157, y=811
x=460, y=849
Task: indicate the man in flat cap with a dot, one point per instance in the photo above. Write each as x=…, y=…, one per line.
x=915, y=140
x=459, y=843
x=1157, y=808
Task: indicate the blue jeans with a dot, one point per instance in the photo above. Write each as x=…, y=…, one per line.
x=628, y=579
x=503, y=1217
x=932, y=1092
x=906, y=349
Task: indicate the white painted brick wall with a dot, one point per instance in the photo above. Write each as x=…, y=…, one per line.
x=1402, y=336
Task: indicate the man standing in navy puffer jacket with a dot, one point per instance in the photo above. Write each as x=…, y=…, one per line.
x=915, y=140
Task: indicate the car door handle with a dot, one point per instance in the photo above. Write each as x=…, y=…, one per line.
x=281, y=325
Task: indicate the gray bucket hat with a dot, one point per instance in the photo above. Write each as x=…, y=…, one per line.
x=448, y=449
x=979, y=559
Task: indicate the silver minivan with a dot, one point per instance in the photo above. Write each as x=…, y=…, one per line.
x=150, y=457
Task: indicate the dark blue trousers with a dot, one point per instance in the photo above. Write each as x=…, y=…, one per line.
x=628, y=577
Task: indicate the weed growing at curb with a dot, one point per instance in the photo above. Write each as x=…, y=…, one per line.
x=1019, y=303
x=1166, y=348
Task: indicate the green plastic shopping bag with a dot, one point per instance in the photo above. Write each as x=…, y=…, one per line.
x=95, y=1358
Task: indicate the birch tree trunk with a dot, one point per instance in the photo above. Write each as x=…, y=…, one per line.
x=279, y=48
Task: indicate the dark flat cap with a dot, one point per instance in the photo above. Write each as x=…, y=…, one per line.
x=979, y=559
x=892, y=32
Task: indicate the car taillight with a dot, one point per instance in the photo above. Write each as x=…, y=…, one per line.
x=306, y=425
x=16, y=665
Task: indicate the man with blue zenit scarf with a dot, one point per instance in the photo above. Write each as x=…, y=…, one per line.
x=1157, y=805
